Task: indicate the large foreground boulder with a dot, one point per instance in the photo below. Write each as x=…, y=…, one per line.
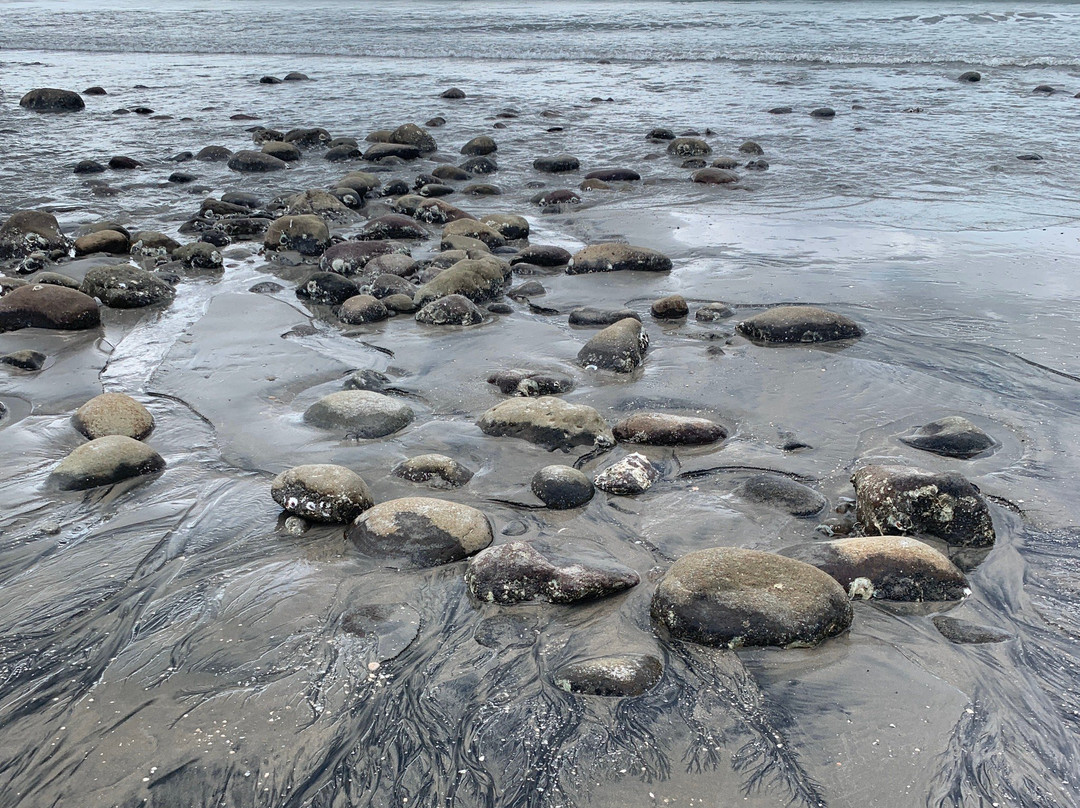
x=127, y=287
x=322, y=492
x=619, y=347
x=362, y=413
x=547, y=421
x=785, y=324
x=421, y=532
x=27, y=231
x=46, y=305
x=729, y=597
x=105, y=461
x=615, y=257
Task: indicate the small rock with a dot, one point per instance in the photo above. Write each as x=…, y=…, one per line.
x=614, y=257
x=952, y=436
x=480, y=147
x=660, y=133
x=253, y=161
x=421, y=532
x=531, y=382
x=782, y=492
x=672, y=307
x=758, y=165
x=1030, y=157
x=213, y=154
x=352, y=257
x=589, y=316
x=970, y=75
x=200, y=255
x=613, y=175
x=24, y=360
x=823, y=112
x=269, y=80
x=613, y=676
x=295, y=75
x=360, y=309
x=562, y=487
x=436, y=470
x=89, y=167
x=965, y=632
x=634, y=474
x=480, y=165
x=781, y=111
x=751, y=147
x=453, y=93
x=361, y=413
x=322, y=493
x=480, y=280
x=1044, y=89
x=547, y=421
x=688, y=147
x=557, y=164
x=491, y=237
x=662, y=429
x=113, y=414
x=509, y=226
x=450, y=310
x=714, y=176
x=711, y=312
x=619, y=347
x=307, y=234
x=786, y=324
x=121, y=163
x=105, y=461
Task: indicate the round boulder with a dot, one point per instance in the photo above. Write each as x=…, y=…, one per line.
x=672, y=307
x=45, y=305
x=28, y=231
x=714, y=176
x=434, y=470
x=547, y=421
x=127, y=287
x=787, y=324
x=307, y=234
x=619, y=347
x=253, y=161
x=662, y=429
x=952, y=436
x=562, y=487
x=105, y=461
x=113, y=414
x=688, y=147
x=450, y=310
x=784, y=493
x=421, y=532
x=479, y=146
x=634, y=474
x=322, y=493
x=360, y=309
x=362, y=413
x=47, y=99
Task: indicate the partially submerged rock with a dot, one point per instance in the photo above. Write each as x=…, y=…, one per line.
x=730, y=597
x=522, y=571
x=613, y=676
x=28, y=231
x=663, y=429
x=450, y=310
x=480, y=280
x=307, y=234
x=966, y=632
x=688, y=147
x=616, y=257
x=49, y=99
x=619, y=347
x=784, y=493
x=322, y=493
x=798, y=324
x=421, y=532
x=362, y=413
x=547, y=421
x=634, y=474
x=105, y=461
x=899, y=499
x=113, y=414
x=562, y=487
x=591, y=317
x=434, y=470
x=952, y=436
x=531, y=382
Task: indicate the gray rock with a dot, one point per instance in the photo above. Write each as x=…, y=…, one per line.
x=531, y=382
x=557, y=199
x=480, y=280
x=557, y=164
x=784, y=493
x=213, y=154
x=316, y=202
x=619, y=347
x=351, y=257
x=471, y=228
x=970, y=75
x=730, y=597
x=435, y=470
x=151, y=244
x=403, y=304
x=725, y=162
x=289, y=152
x=362, y=413
x=614, y=175
x=88, y=167
x=307, y=234
x=885, y=567
x=893, y=500
x=450, y=310
x=711, y=312
x=48, y=99
x=412, y=135
x=42, y=305
x=56, y=279
x=24, y=360
x=613, y=676
x=781, y=111
x=965, y=632
x=256, y=162
x=322, y=493
x=785, y=324
x=547, y=421
x=28, y=231
x=360, y=309
x=360, y=181
x=952, y=436
x=589, y=316
x=368, y=380
x=672, y=307
x=482, y=189
x=823, y=112
x=381, y=151
x=421, y=532
x=521, y=571
x=660, y=133
x=453, y=93
x=199, y=255
x=614, y=257
x=308, y=138
x=479, y=147
x=714, y=176
x=113, y=414
x=342, y=153
x=562, y=487
x=688, y=147
x=396, y=263
x=326, y=288
x=385, y=285
x=634, y=474
x=105, y=461
x=663, y=429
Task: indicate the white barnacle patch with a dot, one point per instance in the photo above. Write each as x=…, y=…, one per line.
x=861, y=588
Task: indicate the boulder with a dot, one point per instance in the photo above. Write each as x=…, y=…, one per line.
x=450, y=173
x=360, y=309
x=542, y=255
x=634, y=474
x=786, y=324
x=613, y=676
x=970, y=76
x=253, y=161
x=24, y=360
x=508, y=225
x=730, y=597
x=662, y=429
x=562, y=487
x=127, y=287
x=151, y=244
x=326, y=288
x=289, y=152
x=105, y=461
x=410, y=134
x=362, y=413
x=113, y=414
x=322, y=493
x=360, y=181
x=102, y=241
x=453, y=93
x=479, y=165
x=952, y=436
x=213, y=154
x=823, y=112
x=521, y=571
x=316, y=202
x=885, y=567
x=48, y=99
x=306, y=234
x=784, y=493
x=556, y=199
x=899, y=499
x=449, y=310
x=613, y=175
x=391, y=226
x=342, y=153
x=199, y=255
x=619, y=347
x=672, y=307
x=88, y=167
x=352, y=257
x=308, y=138
x=480, y=146
x=711, y=312
x=614, y=257
x=547, y=421
x=688, y=147
x=42, y=305
x=28, y=231
x=435, y=470
x=380, y=151
x=421, y=532
x=592, y=317
x=714, y=176
x=385, y=285
x=480, y=280
x=531, y=382
x=660, y=133
x=471, y=228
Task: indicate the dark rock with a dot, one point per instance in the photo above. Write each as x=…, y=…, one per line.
x=269, y=80
x=95, y=90
x=253, y=161
x=452, y=93
x=547, y=421
x=725, y=162
x=113, y=414
x=122, y=163
x=127, y=287
x=362, y=413
x=735, y=598
x=1031, y=157
x=28, y=231
x=102, y=241
x=436, y=122
x=499, y=307
x=970, y=75
x=214, y=239
x=360, y=309
x=693, y=163
x=435, y=189
x=531, y=382
x=482, y=189
x=435, y=470
x=261, y=134
x=557, y=164
x=672, y=307
x=542, y=255
x=823, y=112
x=899, y=500
x=612, y=676
x=399, y=303
x=391, y=226
x=410, y=134
x=952, y=436
x=480, y=146
x=24, y=360
x=885, y=567
x=326, y=288
x=479, y=165
x=182, y=177
x=758, y=165
x=522, y=571
x=688, y=147
x=1044, y=89
x=556, y=199
x=289, y=152
x=614, y=257
x=105, y=461
x=471, y=228
x=368, y=379
x=322, y=493
x=965, y=632
x=660, y=133
x=662, y=429
x=634, y=474
x=56, y=278
x=421, y=532
x=151, y=244
x=509, y=226
x=614, y=175
x=588, y=316
x=200, y=255
x=451, y=173
x=450, y=310
x=562, y=487
x=711, y=312
x=782, y=492
x=266, y=288
x=619, y=347
x=47, y=99
x=352, y=257
x=714, y=176
x=781, y=110
x=213, y=154
x=785, y=324
x=89, y=167
x=296, y=76
x=381, y=151
x=309, y=138
x=307, y=234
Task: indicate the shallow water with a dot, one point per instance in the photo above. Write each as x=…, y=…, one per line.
x=167, y=644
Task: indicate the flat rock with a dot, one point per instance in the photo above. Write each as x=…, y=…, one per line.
x=361, y=413
x=434, y=470
x=547, y=421
x=421, y=532
x=714, y=176
x=663, y=429
x=380, y=151
x=634, y=474
x=619, y=347
x=885, y=567
x=521, y=571
x=127, y=287
x=711, y=312
x=966, y=632
x=562, y=487
x=730, y=597
x=322, y=493
x=105, y=461
x=785, y=324
x=614, y=175
x=41, y=305
x=612, y=676
x=113, y=414
x=952, y=436
x=450, y=310
x=590, y=316
x=531, y=382
x=784, y=493
x=615, y=257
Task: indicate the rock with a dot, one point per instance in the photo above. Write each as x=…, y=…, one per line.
x=434, y=211
x=672, y=307
x=368, y=380
x=688, y=147
x=307, y=234
x=391, y=226
x=547, y=421
x=386, y=284
x=103, y=241
x=482, y=189
x=730, y=597
x=634, y=474
x=711, y=312
x=450, y=310
x=453, y=93
x=900, y=499
x=182, y=177
x=614, y=257
x=308, y=138
x=269, y=80
x=295, y=75
x=471, y=228
x=450, y=173
x=253, y=161
x=509, y=226
x=381, y=151
x=542, y=255
x=326, y=288
x=589, y=316
x=436, y=122
x=215, y=238
x=28, y=231
x=57, y=279
x=725, y=162
x=421, y=532
x=714, y=176
x=885, y=567
x=479, y=165
x=619, y=347
x=613, y=175
x=199, y=255
x=613, y=676
x=463, y=244
x=751, y=147
x=89, y=167
x=47, y=306
x=127, y=287
x=557, y=164
x=95, y=90
x=289, y=152
x=316, y=202
x=105, y=461
x=562, y=487
x=360, y=181
x=823, y=112
x=400, y=303
x=480, y=280
x=479, y=147
x=352, y=257
x=662, y=429
x=1030, y=157
x=361, y=413
x=964, y=631
x=410, y=134
x=47, y=99
x=436, y=470
x=660, y=133
x=952, y=436
x=214, y=154
x=342, y=153
x=785, y=324
x=122, y=163
x=1044, y=89
x=322, y=493
x=360, y=309
x=531, y=382
x=266, y=288
x=24, y=360
x=758, y=165
x=520, y=571
x=113, y=414
x=151, y=244
x=970, y=75
x=782, y=492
